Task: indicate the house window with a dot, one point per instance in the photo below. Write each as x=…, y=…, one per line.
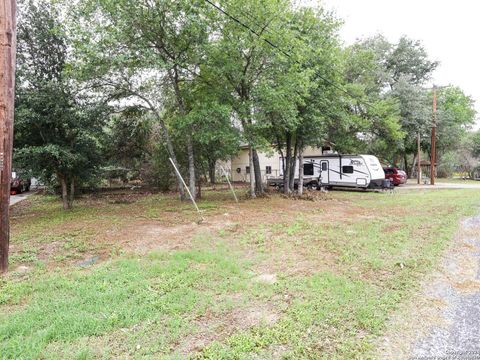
x=307, y=169
x=247, y=169
x=268, y=170
x=347, y=169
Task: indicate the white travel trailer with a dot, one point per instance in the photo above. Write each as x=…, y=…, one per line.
x=336, y=170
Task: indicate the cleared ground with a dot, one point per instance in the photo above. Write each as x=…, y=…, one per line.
x=141, y=275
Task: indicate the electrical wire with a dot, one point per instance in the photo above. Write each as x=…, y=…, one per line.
x=285, y=53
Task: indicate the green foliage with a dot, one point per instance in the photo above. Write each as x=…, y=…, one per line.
x=476, y=144
x=456, y=116
x=55, y=128
x=206, y=83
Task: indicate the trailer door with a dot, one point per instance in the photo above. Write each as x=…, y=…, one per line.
x=324, y=172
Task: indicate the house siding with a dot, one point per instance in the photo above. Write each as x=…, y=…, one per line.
x=238, y=164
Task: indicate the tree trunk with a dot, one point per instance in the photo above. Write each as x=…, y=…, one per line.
x=412, y=169
x=199, y=193
x=258, y=173
x=280, y=150
x=293, y=167
x=173, y=74
x=168, y=142
x=71, y=195
x=300, y=172
x=211, y=171
x=288, y=164
x=171, y=152
x=63, y=182
x=191, y=167
x=252, y=175
x=405, y=163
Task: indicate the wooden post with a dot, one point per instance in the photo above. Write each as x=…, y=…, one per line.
x=433, y=149
x=419, y=161
x=7, y=89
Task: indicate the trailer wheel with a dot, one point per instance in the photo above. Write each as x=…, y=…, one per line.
x=312, y=185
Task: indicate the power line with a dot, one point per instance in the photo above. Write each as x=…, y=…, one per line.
x=288, y=55
x=264, y=28
x=272, y=31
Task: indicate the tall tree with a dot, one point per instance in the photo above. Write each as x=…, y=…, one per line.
x=55, y=135
x=400, y=70
x=455, y=117
x=158, y=44
x=239, y=58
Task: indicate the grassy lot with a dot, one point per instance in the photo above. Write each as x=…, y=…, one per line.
x=132, y=275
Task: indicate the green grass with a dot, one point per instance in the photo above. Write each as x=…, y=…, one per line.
x=355, y=259
x=161, y=288
x=457, y=181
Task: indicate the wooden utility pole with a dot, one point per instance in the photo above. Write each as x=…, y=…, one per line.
x=419, y=161
x=433, y=149
x=7, y=88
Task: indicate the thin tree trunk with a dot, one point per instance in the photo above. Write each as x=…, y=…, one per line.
x=252, y=175
x=168, y=142
x=173, y=74
x=288, y=164
x=211, y=171
x=71, y=195
x=258, y=173
x=405, y=163
x=412, y=169
x=300, y=172
x=293, y=167
x=191, y=167
x=199, y=193
x=63, y=183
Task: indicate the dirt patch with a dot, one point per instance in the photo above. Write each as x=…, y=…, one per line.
x=144, y=237
x=266, y=278
x=217, y=327
x=137, y=221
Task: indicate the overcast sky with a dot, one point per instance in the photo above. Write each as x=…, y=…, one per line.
x=449, y=30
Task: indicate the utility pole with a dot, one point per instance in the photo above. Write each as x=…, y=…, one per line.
x=419, y=160
x=7, y=89
x=433, y=149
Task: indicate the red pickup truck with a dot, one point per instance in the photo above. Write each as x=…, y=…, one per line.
x=395, y=175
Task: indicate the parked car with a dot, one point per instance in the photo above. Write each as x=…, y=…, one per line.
x=395, y=175
x=19, y=184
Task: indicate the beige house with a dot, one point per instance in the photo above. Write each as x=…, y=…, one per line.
x=270, y=163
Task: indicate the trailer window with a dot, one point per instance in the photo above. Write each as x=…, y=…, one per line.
x=307, y=169
x=247, y=169
x=347, y=169
x=324, y=166
x=268, y=170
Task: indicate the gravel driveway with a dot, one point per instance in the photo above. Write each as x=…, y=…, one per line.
x=443, y=320
x=17, y=198
x=459, y=335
